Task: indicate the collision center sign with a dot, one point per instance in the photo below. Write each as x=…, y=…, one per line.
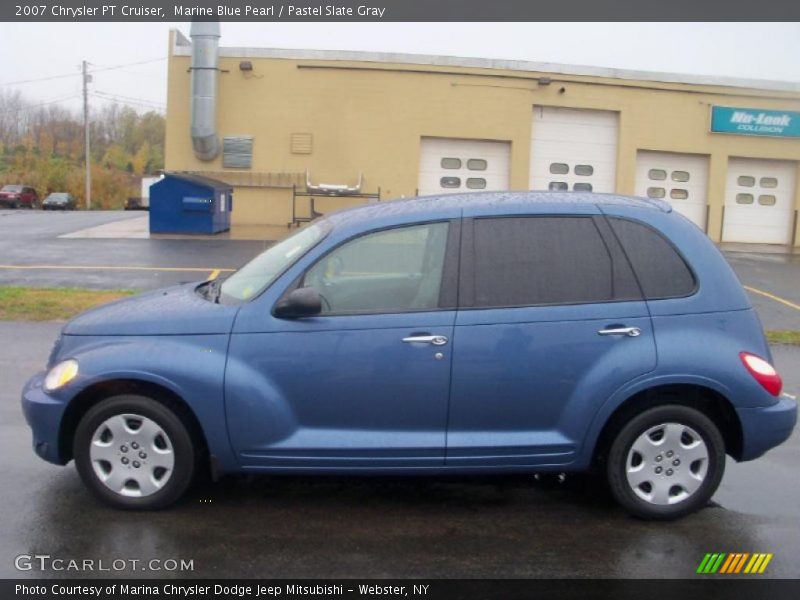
x=754, y=121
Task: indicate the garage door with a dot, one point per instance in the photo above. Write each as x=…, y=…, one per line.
x=680, y=179
x=573, y=149
x=759, y=196
x=449, y=166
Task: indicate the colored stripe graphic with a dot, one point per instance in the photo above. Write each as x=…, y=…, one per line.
x=727, y=564
x=703, y=563
x=723, y=563
x=716, y=565
x=741, y=562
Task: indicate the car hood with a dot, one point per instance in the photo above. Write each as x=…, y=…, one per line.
x=177, y=310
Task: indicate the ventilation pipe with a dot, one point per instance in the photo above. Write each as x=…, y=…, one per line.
x=205, y=59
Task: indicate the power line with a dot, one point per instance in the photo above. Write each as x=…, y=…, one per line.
x=141, y=62
x=101, y=69
x=30, y=107
x=132, y=98
x=129, y=102
x=40, y=79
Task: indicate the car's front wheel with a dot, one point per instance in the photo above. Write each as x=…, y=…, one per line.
x=666, y=462
x=134, y=453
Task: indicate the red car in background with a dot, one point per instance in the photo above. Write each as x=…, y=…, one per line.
x=15, y=196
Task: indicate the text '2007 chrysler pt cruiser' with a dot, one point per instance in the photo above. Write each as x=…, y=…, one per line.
x=479, y=333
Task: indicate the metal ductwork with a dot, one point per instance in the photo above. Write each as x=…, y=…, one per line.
x=205, y=67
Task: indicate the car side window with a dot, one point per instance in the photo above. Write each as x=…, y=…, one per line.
x=528, y=261
x=661, y=271
x=394, y=270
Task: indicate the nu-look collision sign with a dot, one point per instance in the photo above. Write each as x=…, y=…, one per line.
x=754, y=121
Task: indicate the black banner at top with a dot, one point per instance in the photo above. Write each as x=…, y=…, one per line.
x=399, y=10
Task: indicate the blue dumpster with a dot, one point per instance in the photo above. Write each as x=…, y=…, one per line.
x=182, y=203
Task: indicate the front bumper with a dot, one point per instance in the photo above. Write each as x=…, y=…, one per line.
x=43, y=414
x=763, y=428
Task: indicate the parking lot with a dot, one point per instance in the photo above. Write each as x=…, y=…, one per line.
x=345, y=527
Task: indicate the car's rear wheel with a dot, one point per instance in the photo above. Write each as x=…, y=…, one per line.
x=666, y=462
x=135, y=453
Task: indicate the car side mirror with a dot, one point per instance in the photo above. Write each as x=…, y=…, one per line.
x=302, y=302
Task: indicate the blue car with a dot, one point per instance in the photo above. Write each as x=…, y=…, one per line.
x=480, y=333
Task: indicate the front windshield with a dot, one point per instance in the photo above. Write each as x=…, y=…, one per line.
x=256, y=275
x=11, y=188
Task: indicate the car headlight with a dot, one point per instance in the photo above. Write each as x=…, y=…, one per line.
x=61, y=374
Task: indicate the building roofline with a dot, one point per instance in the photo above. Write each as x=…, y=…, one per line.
x=182, y=47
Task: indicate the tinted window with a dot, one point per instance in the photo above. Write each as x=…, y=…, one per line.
x=746, y=181
x=661, y=271
x=767, y=200
x=451, y=163
x=768, y=182
x=524, y=261
x=450, y=182
x=395, y=270
x=680, y=176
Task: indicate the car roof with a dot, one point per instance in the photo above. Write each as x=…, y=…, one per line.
x=421, y=206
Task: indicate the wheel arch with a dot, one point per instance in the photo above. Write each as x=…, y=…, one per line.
x=101, y=390
x=706, y=400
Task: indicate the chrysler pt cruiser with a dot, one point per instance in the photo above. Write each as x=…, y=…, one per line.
x=479, y=333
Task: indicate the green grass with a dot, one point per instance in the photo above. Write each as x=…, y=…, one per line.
x=51, y=304
x=784, y=336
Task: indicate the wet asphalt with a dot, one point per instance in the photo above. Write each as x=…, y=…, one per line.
x=381, y=527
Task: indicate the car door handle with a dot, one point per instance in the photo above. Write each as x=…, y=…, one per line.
x=629, y=331
x=436, y=340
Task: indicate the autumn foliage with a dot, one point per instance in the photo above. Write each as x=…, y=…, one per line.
x=42, y=146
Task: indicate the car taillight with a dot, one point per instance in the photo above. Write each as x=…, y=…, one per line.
x=763, y=372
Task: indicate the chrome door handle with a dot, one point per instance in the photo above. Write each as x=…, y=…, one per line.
x=629, y=331
x=436, y=340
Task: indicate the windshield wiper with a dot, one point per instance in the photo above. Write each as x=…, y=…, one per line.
x=214, y=290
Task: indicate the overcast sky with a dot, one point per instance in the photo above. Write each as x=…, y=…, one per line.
x=39, y=50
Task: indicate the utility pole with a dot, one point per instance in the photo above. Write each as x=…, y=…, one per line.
x=86, y=79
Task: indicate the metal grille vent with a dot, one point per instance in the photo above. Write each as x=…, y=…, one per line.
x=302, y=143
x=237, y=151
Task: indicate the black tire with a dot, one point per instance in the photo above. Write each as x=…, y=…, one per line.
x=183, y=448
x=617, y=463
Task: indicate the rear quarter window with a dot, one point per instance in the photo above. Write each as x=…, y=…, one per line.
x=528, y=261
x=662, y=272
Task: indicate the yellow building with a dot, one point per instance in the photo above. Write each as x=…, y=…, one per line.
x=724, y=152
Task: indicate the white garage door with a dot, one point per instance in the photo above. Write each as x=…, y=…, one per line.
x=449, y=166
x=573, y=150
x=759, y=196
x=680, y=179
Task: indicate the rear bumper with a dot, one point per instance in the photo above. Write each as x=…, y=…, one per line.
x=763, y=428
x=43, y=414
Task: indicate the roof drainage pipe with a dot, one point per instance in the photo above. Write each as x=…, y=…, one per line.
x=205, y=67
